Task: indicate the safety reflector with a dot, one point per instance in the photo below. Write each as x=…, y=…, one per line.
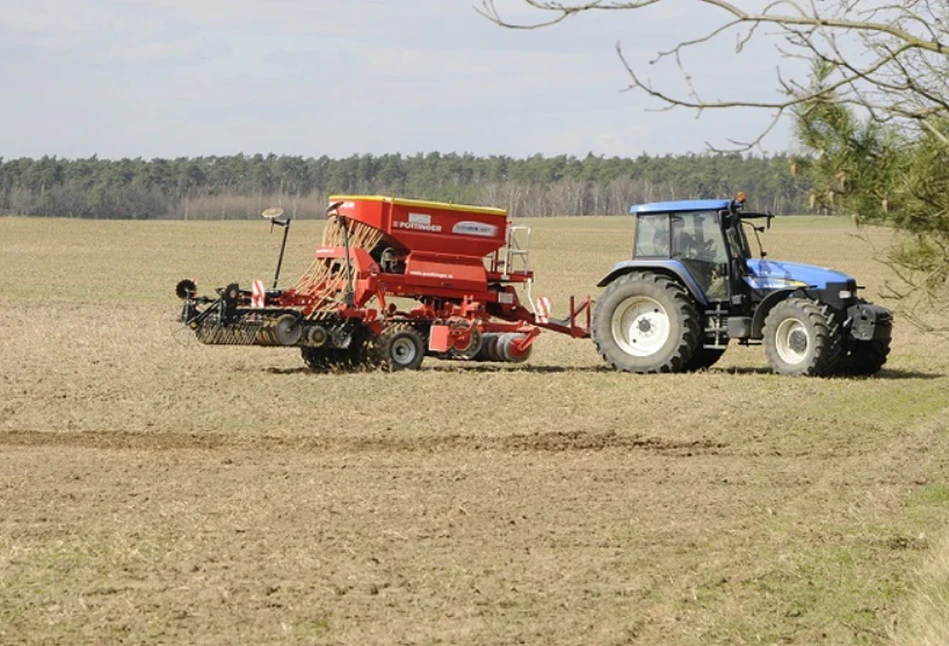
x=258, y=294
x=543, y=310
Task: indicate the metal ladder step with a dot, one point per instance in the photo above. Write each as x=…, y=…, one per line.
x=518, y=246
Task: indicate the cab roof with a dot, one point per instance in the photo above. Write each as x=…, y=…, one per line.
x=680, y=206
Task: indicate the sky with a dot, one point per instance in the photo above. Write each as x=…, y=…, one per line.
x=169, y=78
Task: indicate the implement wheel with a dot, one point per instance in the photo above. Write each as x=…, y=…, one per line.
x=801, y=337
x=506, y=351
x=400, y=347
x=475, y=339
x=646, y=322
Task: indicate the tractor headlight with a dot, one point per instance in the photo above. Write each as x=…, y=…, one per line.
x=845, y=294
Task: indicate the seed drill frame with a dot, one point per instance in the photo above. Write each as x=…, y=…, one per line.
x=394, y=280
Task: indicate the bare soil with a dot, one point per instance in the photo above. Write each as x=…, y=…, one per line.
x=155, y=491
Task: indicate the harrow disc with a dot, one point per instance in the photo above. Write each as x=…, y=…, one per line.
x=489, y=343
x=287, y=330
x=509, y=353
x=475, y=340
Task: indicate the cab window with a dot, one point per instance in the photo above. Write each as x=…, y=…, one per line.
x=652, y=236
x=697, y=242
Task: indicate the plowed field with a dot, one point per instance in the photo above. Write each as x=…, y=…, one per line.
x=156, y=491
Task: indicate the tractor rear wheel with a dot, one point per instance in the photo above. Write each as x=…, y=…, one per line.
x=646, y=322
x=864, y=357
x=400, y=347
x=801, y=337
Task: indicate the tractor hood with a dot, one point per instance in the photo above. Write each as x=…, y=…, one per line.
x=777, y=274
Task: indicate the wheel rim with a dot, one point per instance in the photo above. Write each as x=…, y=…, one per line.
x=403, y=351
x=475, y=341
x=641, y=326
x=792, y=341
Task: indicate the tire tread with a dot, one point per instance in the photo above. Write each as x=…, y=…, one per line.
x=689, y=317
x=827, y=338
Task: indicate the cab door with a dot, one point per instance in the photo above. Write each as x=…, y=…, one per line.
x=699, y=244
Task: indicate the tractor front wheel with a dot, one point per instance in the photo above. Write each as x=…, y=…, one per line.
x=801, y=337
x=400, y=347
x=864, y=357
x=646, y=322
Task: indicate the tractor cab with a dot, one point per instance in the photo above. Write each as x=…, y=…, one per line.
x=705, y=238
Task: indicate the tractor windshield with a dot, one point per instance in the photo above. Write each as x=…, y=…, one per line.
x=698, y=236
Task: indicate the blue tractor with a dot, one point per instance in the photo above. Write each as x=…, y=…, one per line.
x=692, y=286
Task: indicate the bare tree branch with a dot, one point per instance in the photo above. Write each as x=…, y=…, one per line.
x=888, y=59
x=906, y=78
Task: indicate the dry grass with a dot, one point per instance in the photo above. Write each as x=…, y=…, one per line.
x=153, y=490
x=927, y=612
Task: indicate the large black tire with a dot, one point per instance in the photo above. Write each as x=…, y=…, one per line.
x=801, y=337
x=864, y=357
x=704, y=358
x=400, y=347
x=646, y=322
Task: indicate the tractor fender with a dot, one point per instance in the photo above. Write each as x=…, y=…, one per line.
x=761, y=312
x=671, y=268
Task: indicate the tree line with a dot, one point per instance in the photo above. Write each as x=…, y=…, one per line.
x=240, y=186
